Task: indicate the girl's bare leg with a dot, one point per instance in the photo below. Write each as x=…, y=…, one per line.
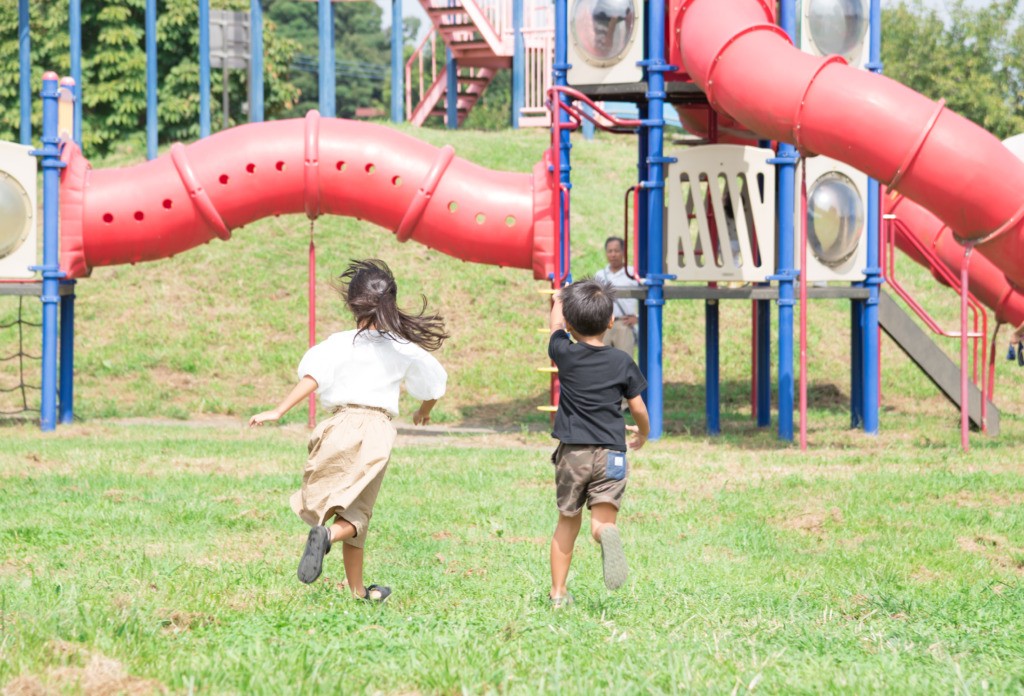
x=562, y=544
x=353, y=556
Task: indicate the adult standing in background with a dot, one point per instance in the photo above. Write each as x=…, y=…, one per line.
x=622, y=335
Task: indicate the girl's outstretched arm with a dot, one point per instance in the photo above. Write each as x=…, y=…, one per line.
x=306, y=386
x=422, y=415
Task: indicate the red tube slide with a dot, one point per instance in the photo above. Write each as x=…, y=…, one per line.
x=204, y=190
x=750, y=70
x=988, y=283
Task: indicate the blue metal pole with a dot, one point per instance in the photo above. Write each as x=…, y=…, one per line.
x=654, y=125
x=873, y=273
x=25, y=73
x=452, y=90
x=712, y=401
x=641, y=261
x=325, y=20
x=151, y=88
x=51, y=165
x=255, y=61
x=204, y=68
x=786, y=159
x=588, y=126
x=764, y=363
x=397, y=70
x=75, y=21
x=518, y=63
x=559, y=69
x=67, y=354
x=857, y=361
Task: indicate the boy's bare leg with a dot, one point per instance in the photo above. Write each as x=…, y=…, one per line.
x=562, y=544
x=352, y=556
x=602, y=515
x=613, y=560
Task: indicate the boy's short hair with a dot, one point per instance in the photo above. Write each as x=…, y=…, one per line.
x=587, y=306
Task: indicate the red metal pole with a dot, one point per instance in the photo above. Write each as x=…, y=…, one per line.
x=964, y=423
x=311, y=420
x=803, y=309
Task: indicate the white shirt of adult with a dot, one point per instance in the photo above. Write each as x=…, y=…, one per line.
x=368, y=370
x=624, y=307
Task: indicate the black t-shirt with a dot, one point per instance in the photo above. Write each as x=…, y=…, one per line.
x=594, y=380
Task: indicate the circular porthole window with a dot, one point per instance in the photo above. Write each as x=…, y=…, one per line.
x=835, y=218
x=603, y=30
x=837, y=27
x=15, y=214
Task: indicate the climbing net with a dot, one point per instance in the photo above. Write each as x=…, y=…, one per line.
x=20, y=369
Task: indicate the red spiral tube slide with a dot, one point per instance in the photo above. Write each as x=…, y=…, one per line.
x=318, y=166
x=749, y=70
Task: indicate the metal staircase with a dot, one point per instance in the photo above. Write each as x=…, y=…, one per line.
x=481, y=39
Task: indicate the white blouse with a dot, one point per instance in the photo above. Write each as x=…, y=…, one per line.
x=367, y=370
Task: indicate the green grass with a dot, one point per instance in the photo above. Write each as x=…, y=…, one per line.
x=137, y=555
x=165, y=556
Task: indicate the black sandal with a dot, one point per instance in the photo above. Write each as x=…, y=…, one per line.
x=318, y=544
x=377, y=594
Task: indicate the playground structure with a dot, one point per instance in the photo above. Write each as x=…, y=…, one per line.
x=738, y=208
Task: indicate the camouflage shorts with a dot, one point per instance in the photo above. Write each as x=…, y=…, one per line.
x=581, y=477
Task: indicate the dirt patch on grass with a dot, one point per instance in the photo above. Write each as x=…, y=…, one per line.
x=813, y=522
x=988, y=499
x=996, y=549
x=94, y=674
x=179, y=621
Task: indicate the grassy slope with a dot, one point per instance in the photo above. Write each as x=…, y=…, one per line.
x=219, y=329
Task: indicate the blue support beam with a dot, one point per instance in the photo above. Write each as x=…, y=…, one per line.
x=653, y=129
x=397, y=69
x=559, y=70
x=75, y=27
x=452, y=91
x=204, y=68
x=24, y=73
x=873, y=273
x=785, y=272
x=67, y=354
x=712, y=378
x=50, y=269
x=256, y=96
x=518, y=63
x=151, y=86
x=764, y=363
x=325, y=21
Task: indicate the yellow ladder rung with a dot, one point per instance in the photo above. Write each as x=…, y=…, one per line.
x=548, y=409
x=547, y=291
x=553, y=370
x=544, y=330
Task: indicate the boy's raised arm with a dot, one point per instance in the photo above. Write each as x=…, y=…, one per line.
x=557, y=321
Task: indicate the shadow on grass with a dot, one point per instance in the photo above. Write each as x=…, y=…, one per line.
x=684, y=412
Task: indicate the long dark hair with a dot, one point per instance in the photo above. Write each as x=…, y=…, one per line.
x=370, y=291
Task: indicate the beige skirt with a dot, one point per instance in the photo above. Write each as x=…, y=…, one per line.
x=348, y=455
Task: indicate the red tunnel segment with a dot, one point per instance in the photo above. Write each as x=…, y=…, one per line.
x=941, y=160
x=987, y=282
x=204, y=190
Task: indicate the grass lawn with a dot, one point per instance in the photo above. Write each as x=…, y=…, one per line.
x=150, y=546
x=141, y=557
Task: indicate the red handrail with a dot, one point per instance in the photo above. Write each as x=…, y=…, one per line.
x=891, y=224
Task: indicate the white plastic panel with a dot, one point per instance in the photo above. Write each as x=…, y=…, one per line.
x=835, y=27
x=720, y=220
x=605, y=41
x=837, y=220
x=18, y=217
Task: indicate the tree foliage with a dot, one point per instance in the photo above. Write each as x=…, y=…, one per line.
x=973, y=58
